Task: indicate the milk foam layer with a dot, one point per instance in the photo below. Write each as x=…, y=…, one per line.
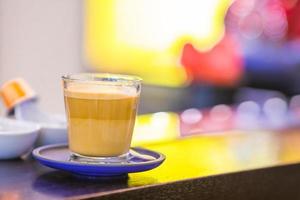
x=88, y=91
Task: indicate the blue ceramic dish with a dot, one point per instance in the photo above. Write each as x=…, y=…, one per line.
x=58, y=157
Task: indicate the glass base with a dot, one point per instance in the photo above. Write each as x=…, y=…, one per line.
x=75, y=157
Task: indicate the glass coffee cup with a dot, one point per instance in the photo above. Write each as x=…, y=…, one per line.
x=101, y=111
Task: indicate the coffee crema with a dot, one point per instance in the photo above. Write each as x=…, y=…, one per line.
x=100, y=119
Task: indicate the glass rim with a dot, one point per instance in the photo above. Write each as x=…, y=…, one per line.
x=103, y=78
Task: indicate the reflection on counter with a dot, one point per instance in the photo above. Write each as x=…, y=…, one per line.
x=155, y=128
x=232, y=151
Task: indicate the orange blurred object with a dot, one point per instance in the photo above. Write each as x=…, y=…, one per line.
x=15, y=91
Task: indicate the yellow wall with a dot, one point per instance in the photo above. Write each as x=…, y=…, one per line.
x=146, y=37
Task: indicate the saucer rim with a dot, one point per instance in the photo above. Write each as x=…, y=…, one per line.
x=38, y=156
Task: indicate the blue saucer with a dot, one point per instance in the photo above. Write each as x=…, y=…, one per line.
x=58, y=157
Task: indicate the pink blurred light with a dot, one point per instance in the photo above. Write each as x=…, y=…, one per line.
x=251, y=26
x=191, y=116
x=242, y=7
x=275, y=22
x=220, y=113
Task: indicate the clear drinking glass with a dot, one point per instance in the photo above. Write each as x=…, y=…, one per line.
x=101, y=111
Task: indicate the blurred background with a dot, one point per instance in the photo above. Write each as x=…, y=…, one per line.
x=206, y=65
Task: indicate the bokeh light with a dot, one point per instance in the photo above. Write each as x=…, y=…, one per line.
x=191, y=116
x=220, y=113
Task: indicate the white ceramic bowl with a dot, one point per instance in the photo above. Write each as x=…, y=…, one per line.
x=53, y=127
x=16, y=137
x=52, y=134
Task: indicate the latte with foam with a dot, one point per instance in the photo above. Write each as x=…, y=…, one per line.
x=100, y=119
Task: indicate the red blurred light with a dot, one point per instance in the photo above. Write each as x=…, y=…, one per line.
x=222, y=65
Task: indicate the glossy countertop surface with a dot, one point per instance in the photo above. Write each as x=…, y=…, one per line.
x=187, y=158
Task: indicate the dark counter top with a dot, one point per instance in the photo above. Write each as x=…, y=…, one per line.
x=231, y=165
